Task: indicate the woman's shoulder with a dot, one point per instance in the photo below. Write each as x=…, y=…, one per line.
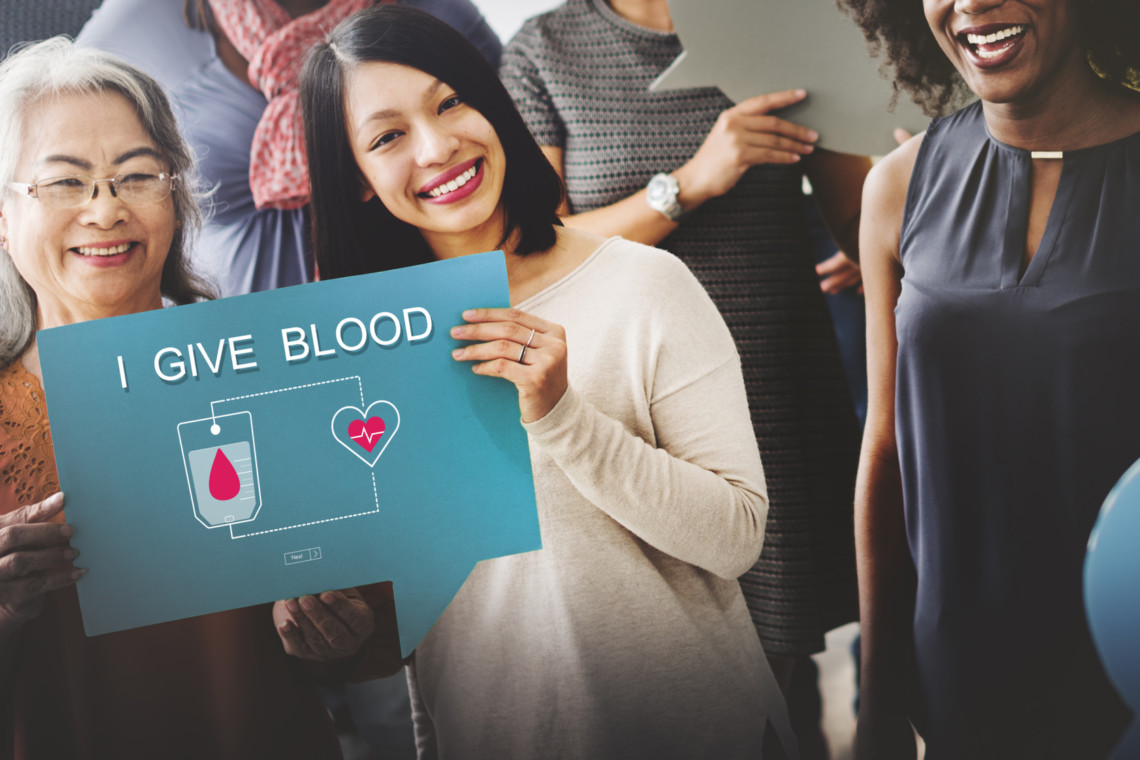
x=652, y=286
x=641, y=301
x=555, y=28
x=152, y=35
x=647, y=267
x=621, y=273
x=888, y=179
x=570, y=12
x=892, y=174
x=885, y=193
x=17, y=383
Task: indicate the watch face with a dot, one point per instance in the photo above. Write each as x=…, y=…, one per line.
x=661, y=195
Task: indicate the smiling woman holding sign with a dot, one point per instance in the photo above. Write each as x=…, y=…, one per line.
x=96, y=205
x=627, y=635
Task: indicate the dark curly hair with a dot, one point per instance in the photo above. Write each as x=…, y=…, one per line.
x=897, y=29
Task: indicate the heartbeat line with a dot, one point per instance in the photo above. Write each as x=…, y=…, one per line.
x=364, y=434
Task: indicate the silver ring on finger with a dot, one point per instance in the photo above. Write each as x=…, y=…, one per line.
x=521, y=355
x=528, y=340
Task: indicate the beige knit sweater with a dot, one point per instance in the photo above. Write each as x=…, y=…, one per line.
x=626, y=635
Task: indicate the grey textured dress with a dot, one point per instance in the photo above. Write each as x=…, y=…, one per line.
x=1017, y=410
x=580, y=76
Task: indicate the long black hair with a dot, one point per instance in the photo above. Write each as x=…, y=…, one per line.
x=353, y=237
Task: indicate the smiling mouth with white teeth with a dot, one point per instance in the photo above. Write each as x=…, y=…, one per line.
x=992, y=45
x=455, y=184
x=113, y=250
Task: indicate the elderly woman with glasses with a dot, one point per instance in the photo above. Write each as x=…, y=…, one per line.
x=97, y=204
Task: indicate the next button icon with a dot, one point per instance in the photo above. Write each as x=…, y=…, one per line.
x=304, y=555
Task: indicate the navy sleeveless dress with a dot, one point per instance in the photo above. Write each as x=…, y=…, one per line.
x=1018, y=407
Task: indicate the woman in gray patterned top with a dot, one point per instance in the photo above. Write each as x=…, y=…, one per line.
x=634, y=162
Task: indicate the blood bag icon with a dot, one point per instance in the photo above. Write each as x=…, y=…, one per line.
x=221, y=468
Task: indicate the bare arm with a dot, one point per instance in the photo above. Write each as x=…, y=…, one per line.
x=886, y=573
x=743, y=136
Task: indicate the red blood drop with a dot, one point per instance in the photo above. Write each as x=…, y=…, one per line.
x=224, y=481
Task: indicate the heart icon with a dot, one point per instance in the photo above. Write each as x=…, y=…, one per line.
x=366, y=434
x=360, y=431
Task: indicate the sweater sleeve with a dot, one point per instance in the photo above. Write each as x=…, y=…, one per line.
x=523, y=79
x=697, y=491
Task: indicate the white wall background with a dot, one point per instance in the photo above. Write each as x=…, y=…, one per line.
x=506, y=16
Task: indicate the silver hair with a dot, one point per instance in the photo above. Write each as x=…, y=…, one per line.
x=55, y=67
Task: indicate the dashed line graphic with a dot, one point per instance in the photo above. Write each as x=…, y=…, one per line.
x=375, y=495
x=359, y=388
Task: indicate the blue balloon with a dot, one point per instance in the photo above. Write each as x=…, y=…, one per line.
x=1112, y=596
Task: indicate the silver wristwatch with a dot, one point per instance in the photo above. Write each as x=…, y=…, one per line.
x=661, y=195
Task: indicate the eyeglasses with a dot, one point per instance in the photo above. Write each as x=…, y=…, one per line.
x=70, y=192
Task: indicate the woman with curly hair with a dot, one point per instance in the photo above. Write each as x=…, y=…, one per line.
x=1001, y=256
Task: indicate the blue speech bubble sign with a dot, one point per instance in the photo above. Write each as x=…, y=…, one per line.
x=236, y=452
x=1112, y=597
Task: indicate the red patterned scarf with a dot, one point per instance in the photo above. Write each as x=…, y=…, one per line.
x=275, y=45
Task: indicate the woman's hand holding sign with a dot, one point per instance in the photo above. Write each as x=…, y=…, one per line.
x=35, y=558
x=520, y=347
x=324, y=627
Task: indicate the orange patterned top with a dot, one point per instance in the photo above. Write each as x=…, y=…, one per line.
x=217, y=686
x=27, y=465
